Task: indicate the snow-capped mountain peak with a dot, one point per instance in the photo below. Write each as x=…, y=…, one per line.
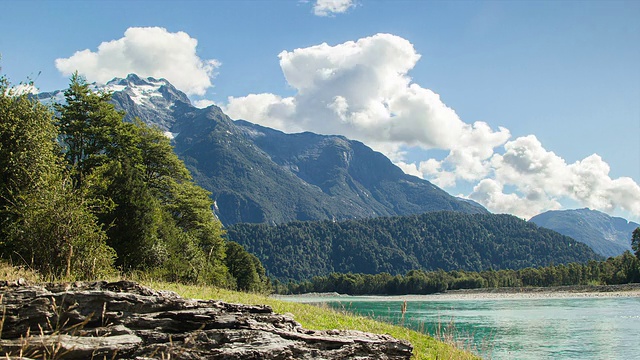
x=148, y=92
x=150, y=99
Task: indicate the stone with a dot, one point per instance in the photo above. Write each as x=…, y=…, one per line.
x=124, y=320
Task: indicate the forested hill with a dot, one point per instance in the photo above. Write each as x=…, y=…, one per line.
x=437, y=240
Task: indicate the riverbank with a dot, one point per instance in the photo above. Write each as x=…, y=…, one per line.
x=311, y=317
x=574, y=291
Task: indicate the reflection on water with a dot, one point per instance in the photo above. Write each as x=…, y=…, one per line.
x=585, y=328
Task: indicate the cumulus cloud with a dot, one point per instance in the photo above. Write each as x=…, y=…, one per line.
x=542, y=176
x=330, y=7
x=491, y=194
x=148, y=51
x=361, y=89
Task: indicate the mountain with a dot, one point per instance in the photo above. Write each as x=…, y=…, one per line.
x=436, y=240
x=260, y=175
x=606, y=235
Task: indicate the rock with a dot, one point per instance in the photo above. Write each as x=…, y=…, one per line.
x=124, y=320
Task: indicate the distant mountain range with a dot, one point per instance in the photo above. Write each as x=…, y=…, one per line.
x=606, y=235
x=261, y=175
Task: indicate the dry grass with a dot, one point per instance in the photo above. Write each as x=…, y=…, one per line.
x=9, y=272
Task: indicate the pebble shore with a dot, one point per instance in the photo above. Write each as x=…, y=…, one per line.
x=558, y=292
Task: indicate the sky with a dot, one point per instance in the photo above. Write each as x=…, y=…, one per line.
x=523, y=106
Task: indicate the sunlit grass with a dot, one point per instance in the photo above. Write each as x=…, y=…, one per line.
x=324, y=318
x=310, y=316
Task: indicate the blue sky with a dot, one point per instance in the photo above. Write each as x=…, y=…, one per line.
x=505, y=102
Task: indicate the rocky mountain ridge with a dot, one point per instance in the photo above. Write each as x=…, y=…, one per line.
x=261, y=175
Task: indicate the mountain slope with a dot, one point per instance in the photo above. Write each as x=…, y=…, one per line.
x=436, y=240
x=260, y=175
x=606, y=235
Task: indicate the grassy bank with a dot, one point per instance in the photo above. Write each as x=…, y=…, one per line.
x=322, y=318
x=311, y=317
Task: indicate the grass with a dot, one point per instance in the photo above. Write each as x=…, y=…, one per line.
x=324, y=318
x=311, y=317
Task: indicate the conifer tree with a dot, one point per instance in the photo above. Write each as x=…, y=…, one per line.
x=635, y=242
x=90, y=128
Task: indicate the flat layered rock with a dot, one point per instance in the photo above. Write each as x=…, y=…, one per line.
x=124, y=320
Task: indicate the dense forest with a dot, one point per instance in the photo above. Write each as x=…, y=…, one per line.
x=394, y=245
x=622, y=269
x=84, y=194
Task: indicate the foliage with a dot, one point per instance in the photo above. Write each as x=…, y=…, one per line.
x=635, y=242
x=59, y=236
x=159, y=219
x=396, y=245
x=84, y=188
x=27, y=147
x=90, y=128
x=46, y=224
x=616, y=270
x=246, y=269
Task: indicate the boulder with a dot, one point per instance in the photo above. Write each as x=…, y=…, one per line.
x=124, y=320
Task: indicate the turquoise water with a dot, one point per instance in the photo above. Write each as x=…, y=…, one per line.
x=567, y=328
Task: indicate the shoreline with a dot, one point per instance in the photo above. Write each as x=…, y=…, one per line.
x=515, y=293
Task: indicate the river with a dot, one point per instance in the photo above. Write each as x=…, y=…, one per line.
x=514, y=328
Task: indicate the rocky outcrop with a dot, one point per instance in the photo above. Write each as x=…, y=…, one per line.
x=124, y=320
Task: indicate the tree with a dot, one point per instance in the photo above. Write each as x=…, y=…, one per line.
x=635, y=242
x=27, y=147
x=91, y=129
x=155, y=216
x=56, y=234
x=45, y=223
x=188, y=205
x=241, y=267
x=134, y=220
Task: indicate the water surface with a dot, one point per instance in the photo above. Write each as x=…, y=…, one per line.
x=538, y=328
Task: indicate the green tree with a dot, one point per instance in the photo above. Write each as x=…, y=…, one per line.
x=57, y=235
x=45, y=223
x=242, y=267
x=635, y=242
x=134, y=220
x=27, y=147
x=155, y=216
x=186, y=203
x=91, y=129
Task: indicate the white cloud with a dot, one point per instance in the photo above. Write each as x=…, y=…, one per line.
x=330, y=7
x=203, y=103
x=149, y=51
x=542, y=175
x=361, y=89
x=491, y=194
x=266, y=109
